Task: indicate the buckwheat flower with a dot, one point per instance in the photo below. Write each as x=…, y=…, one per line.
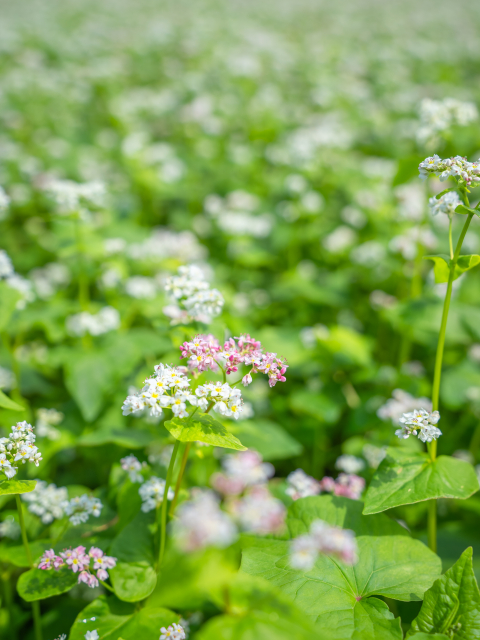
x=400, y=403
x=132, y=466
x=9, y=528
x=349, y=464
x=114, y=246
x=151, y=493
x=6, y=466
x=101, y=562
x=301, y=485
x=349, y=486
x=6, y=266
x=46, y=501
x=62, y=636
x=47, y=419
x=201, y=352
x=79, y=509
x=419, y=422
x=24, y=288
x=303, y=552
x=241, y=470
x=92, y=635
x=259, y=512
x=107, y=319
x=201, y=523
x=141, y=287
x=19, y=446
x=47, y=560
x=322, y=539
x=4, y=203
x=466, y=173
x=73, y=197
x=173, y=632
x=446, y=204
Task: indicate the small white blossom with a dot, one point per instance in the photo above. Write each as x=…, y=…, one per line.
x=322, y=539
x=4, y=203
x=73, y=197
x=173, y=632
x=141, y=287
x=132, y=466
x=47, y=419
x=192, y=295
x=445, y=204
x=419, y=422
x=401, y=402
x=9, y=528
x=79, y=509
x=92, y=635
x=151, y=493
x=301, y=485
x=6, y=266
x=107, y=319
x=46, y=501
x=349, y=464
x=19, y=446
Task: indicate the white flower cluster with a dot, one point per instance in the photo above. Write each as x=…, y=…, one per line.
x=4, y=203
x=460, y=168
x=19, y=446
x=151, y=493
x=421, y=422
x=107, y=319
x=10, y=528
x=15, y=281
x=79, y=509
x=173, y=632
x=46, y=501
x=445, y=204
x=7, y=379
x=227, y=400
x=169, y=388
x=440, y=115
x=132, y=466
x=192, y=297
x=407, y=244
x=301, y=485
x=6, y=266
x=349, y=463
x=201, y=523
x=141, y=287
x=165, y=243
x=259, y=512
x=73, y=197
x=325, y=539
x=47, y=419
x=401, y=402
x=48, y=279
x=234, y=214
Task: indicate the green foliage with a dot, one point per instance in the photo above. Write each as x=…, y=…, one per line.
x=406, y=477
x=6, y=403
x=467, y=210
x=116, y=620
x=271, y=440
x=203, y=428
x=442, y=265
x=12, y=486
x=452, y=605
x=37, y=584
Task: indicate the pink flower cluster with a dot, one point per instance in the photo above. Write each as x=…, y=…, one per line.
x=241, y=470
x=79, y=562
x=201, y=352
x=204, y=353
x=346, y=485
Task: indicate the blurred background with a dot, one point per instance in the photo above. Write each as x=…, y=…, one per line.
x=276, y=145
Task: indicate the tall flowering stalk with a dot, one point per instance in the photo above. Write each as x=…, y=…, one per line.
x=466, y=175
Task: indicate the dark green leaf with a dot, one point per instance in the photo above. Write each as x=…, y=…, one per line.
x=463, y=209
x=203, y=428
x=452, y=605
x=10, y=487
x=317, y=405
x=129, y=438
x=268, y=438
x=115, y=620
x=37, y=584
x=17, y=555
x=88, y=378
x=406, y=477
x=6, y=403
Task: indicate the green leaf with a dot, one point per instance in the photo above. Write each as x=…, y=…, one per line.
x=317, y=405
x=271, y=440
x=407, y=169
x=8, y=301
x=88, y=378
x=17, y=555
x=466, y=210
x=430, y=636
x=390, y=564
x=442, y=193
x=129, y=438
x=442, y=266
x=134, y=577
x=11, y=487
x=114, y=620
x=406, y=477
x=6, y=403
x=38, y=584
x=339, y=598
x=203, y=428
x=452, y=605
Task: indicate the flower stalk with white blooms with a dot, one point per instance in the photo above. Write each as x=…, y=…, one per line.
x=170, y=389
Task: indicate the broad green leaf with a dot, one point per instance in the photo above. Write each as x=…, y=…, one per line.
x=406, y=477
x=317, y=405
x=17, y=555
x=340, y=599
x=88, y=378
x=134, y=577
x=430, y=636
x=203, y=428
x=442, y=266
x=452, y=605
x=407, y=170
x=129, y=438
x=339, y=512
x=11, y=487
x=37, y=584
x=115, y=620
x=6, y=403
x=271, y=440
x=467, y=210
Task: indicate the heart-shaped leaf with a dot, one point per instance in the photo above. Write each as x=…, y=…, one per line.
x=134, y=577
x=203, y=428
x=10, y=487
x=115, y=620
x=442, y=265
x=6, y=403
x=340, y=599
x=406, y=477
x=37, y=584
x=452, y=605
x=467, y=210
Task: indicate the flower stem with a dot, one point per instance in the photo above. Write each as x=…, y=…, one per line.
x=107, y=586
x=180, y=476
x=432, y=447
x=83, y=293
x=163, y=513
x=35, y=605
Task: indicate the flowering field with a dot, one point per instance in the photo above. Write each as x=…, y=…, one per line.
x=240, y=320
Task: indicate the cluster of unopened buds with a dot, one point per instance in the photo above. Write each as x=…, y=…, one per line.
x=204, y=352
x=419, y=422
x=173, y=632
x=18, y=447
x=322, y=539
x=79, y=562
x=301, y=485
x=458, y=167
